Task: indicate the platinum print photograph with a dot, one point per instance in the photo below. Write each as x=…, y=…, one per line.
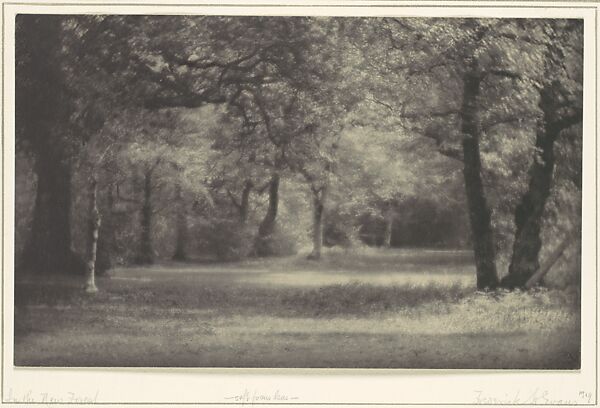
x=297, y=192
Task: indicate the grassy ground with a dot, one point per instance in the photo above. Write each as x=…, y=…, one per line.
x=353, y=309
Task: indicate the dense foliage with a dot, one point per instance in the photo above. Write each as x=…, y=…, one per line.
x=227, y=137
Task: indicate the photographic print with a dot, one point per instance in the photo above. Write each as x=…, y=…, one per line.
x=257, y=191
x=220, y=189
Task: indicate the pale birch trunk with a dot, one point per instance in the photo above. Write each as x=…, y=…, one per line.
x=94, y=228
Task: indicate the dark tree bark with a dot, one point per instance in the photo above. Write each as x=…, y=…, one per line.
x=243, y=206
x=107, y=241
x=245, y=202
x=42, y=111
x=146, y=251
x=181, y=227
x=49, y=249
x=479, y=212
x=319, y=197
x=530, y=210
x=268, y=224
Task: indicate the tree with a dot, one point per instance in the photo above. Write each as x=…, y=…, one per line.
x=466, y=57
x=51, y=124
x=301, y=99
x=94, y=227
x=560, y=90
x=284, y=119
x=96, y=160
x=65, y=62
x=479, y=212
x=181, y=226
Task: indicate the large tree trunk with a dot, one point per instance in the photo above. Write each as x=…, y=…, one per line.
x=181, y=227
x=94, y=228
x=479, y=212
x=530, y=210
x=48, y=249
x=317, y=231
x=267, y=226
x=146, y=251
x=42, y=111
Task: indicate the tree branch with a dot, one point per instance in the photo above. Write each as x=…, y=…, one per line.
x=517, y=118
x=415, y=115
x=183, y=101
x=503, y=73
x=233, y=199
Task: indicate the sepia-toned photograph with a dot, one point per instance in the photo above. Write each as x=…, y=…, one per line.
x=297, y=192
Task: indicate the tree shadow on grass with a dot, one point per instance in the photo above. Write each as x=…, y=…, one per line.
x=339, y=299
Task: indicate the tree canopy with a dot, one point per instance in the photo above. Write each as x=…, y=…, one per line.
x=204, y=130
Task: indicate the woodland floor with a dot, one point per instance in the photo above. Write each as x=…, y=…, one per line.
x=369, y=309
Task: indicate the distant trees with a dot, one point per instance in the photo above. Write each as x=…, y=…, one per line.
x=376, y=176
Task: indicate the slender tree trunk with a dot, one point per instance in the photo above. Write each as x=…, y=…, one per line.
x=146, y=254
x=318, y=213
x=530, y=210
x=267, y=226
x=48, y=249
x=94, y=228
x=479, y=212
x=107, y=239
x=389, y=223
x=181, y=226
x=245, y=202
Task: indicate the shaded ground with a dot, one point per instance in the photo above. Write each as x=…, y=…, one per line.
x=366, y=309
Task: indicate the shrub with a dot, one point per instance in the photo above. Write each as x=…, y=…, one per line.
x=227, y=240
x=279, y=243
x=340, y=231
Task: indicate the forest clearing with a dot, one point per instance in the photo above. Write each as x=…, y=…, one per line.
x=352, y=310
